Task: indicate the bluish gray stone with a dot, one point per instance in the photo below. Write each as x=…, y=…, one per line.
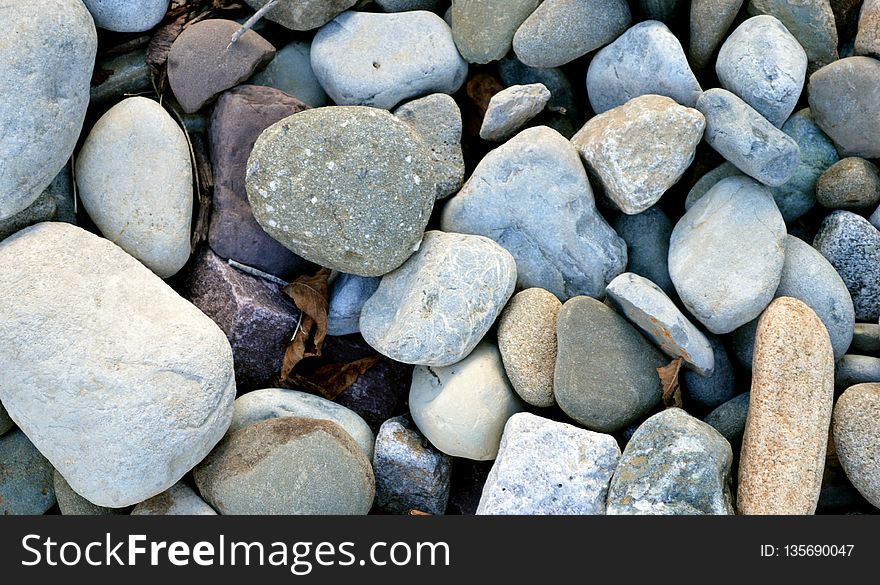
x=303, y=14
x=5, y=422
x=128, y=15
x=854, y=369
x=291, y=72
x=647, y=242
x=709, y=180
x=866, y=339
x=405, y=5
x=53, y=204
x=348, y=293
x=719, y=386
x=71, y=503
x=26, y=486
x=811, y=22
x=512, y=108
x=563, y=111
x=729, y=419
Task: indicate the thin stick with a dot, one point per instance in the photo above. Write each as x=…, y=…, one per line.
x=257, y=272
x=73, y=181
x=250, y=22
x=193, y=163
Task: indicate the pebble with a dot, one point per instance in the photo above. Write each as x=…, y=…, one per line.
x=727, y=253
x=71, y=503
x=843, y=97
x=866, y=338
x=605, y=376
x=709, y=180
x=786, y=435
x=812, y=23
x=380, y=60
x=178, y=500
x=560, y=31
x=44, y=84
x=744, y=137
x=53, y=204
x=153, y=375
x=714, y=389
x=291, y=72
x=851, y=183
x=532, y=196
x=128, y=16
x=563, y=111
x=349, y=188
x=647, y=245
x=646, y=59
x=852, y=246
x=527, y=341
x=134, y=179
x=640, y=149
x=303, y=14
x=511, y=108
x=674, y=464
x=709, y=22
x=856, y=429
x=729, y=419
x=462, y=408
x=546, y=467
x=867, y=42
x=435, y=308
x=410, y=473
x=26, y=486
x=854, y=369
x=484, y=29
x=348, y=293
x=287, y=466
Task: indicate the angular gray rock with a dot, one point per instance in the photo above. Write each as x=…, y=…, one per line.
x=856, y=428
x=128, y=16
x=178, y=500
x=719, y=386
x=511, y=108
x=709, y=22
x=290, y=71
x=647, y=245
x=483, y=29
x=26, y=486
x=303, y=14
x=53, y=204
x=851, y=183
x=348, y=293
x=812, y=23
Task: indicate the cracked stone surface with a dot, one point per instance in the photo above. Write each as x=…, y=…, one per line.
x=511, y=108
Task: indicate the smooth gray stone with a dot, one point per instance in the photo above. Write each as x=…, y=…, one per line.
x=866, y=338
x=729, y=419
x=303, y=14
x=851, y=183
x=647, y=241
x=53, y=204
x=563, y=111
x=744, y=137
x=406, y=5
x=348, y=293
x=646, y=59
x=26, y=486
x=71, y=503
x=291, y=72
x=531, y=195
x=178, y=500
x=719, y=386
x=709, y=180
x=854, y=369
x=126, y=74
x=673, y=465
x=709, y=23
x=810, y=21
x=127, y=15
x=484, y=29
x=546, y=467
x=512, y=108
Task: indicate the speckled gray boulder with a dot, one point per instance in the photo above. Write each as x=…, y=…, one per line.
x=546, y=467
x=484, y=29
x=26, y=486
x=71, y=503
x=852, y=183
x=348, y=293
x=854, y=369
x=435, y=308
x=811, y=22
x=852, y=246
x=350, y=188
x=127, y=15
x=856, y=428
x=291, y=72
x=726, y=254
x=719, y=386
x=646, y=59
x=532, y=196
x=53, y=204
x=48, y=54
x=709, y=22
x=673, y=465
x=369, y=59
x=707, y=181
x=647, y=245
x=303, y=14
x=606, y=371
x=178, y=500
x=744, y=137
x=729, y=419
x=511, y=108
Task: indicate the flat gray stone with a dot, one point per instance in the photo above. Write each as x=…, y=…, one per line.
x=851, y=183
x=856, y=429
x=854, y=369
x=127, y=16
x=812, y=22
x=719, y=386
x=303, y=14
x=647, y=245
x=71, y=503
x=484, y=29
x=729, y=419
x=348, y=293
x=511, y=108
x=26, y=486
x=290, y=71
x=709, y=23
x=178, y=500
x=866, y=338
x=709, y=180
x=53, y=204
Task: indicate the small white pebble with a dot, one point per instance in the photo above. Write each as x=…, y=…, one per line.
x=417, y=179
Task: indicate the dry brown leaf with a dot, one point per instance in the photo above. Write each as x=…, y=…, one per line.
x=481, y=88
x=163, y=38
x=671, y=387
x=311, y=296
x=331, y=380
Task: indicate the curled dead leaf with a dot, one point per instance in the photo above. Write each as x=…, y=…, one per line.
x=331, y=380
x=310, y=293
x=671, y=386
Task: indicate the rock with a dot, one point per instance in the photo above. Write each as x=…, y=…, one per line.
x=729, y=419
x=549, y=468
x=53, y=204
x=26, y=486
x=349, y=188
x=6, y=423
x=406, y=5
x=673, y=465
x=435, y=308
x=121, y=76
x=640, y=149
x=380, y=60
x=71, y=503
x=783, y=452
x=291, y=72
x=527, y=341
x=560, y=31
x=744, y=137
x=647, y=245
x=532, y=196
x=856, y=430
x=843, y=97
x=866, y=338
x=128, y=16
x=178, y=500
x=709, y=180
x=727, y=253
x=852, y=246
x=852, y=183
x=868, y=37
x=563, y=111
x=856, y=369
x=44, y=84
x=605, y=376
x=348, y=293
x=838, y=496
x=646, y=59
x=153, y=375
x=709, y=22
x=410, y=473
x=714, y=389
x=437, y=119
x=303, y=14
x=846, y=16
x=462, y=408
x=647, y=307
x=483, y=29
x=811, y=22
x=135, y=181
x=662, y=10
x=202, y=64
x=511, y=108
x=287, y=465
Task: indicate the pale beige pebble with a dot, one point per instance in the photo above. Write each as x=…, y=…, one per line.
x=856, y=429
x=786, y=435
x=527, y=340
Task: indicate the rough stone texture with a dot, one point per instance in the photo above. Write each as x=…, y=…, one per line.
x=291, y=72
x=483, y=29
x=349, y=188
x=560, y=31
x=786, y=433
x=406, y=5
x=605, y=376
x=435, y=308
x=852, y=183
x=868, y=37
x=719, y=386
x=135, y=181
x=121, y=76
x=511, y=108
x=648, y=308
x=866, y=338
x=856, y=429
x=640, y=149
x=178, y=500
x=410, y=473
x=852, y=246
x=838, y=495
x=549, y=468
x=380, y=60
x=127, y=15
x=673, y=465
x=44, y=93
x=287, y=465
x=532, y=196
x=26, y=486
x=256, y=316
x=348, y=293
x=709, y=23
x=462, y=408
x=744, y=137
x=563, y=112
x=527, y=341
x=729, y=419
x=53, y=204
x=118, y=381
x=709, y=180
x=303, y=14
x=843, y=97
x=201, y=64
x=727, y=253
x=71, y=503
x=646, y=59
x=810, y=21
x=647, y=245
x=856, y=369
